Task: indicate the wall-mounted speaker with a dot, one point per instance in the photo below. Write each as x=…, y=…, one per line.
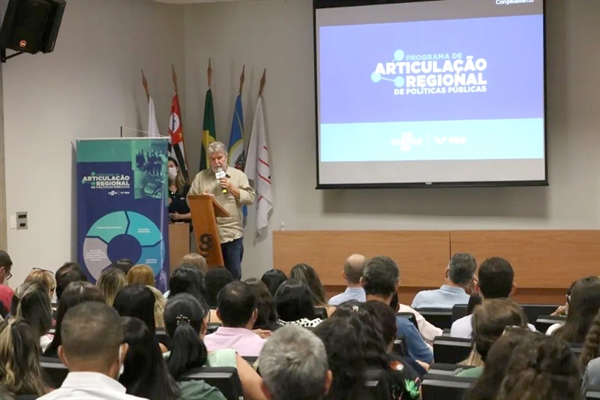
x=31, y=26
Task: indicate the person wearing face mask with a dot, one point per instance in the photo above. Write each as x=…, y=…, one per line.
x=231, y=190
x=94, y=352
x=179, y=211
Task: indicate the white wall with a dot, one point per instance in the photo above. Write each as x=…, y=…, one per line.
x=278, y=35
x=88, y=87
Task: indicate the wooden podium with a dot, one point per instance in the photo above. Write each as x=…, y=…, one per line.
x=179, y=243
x=205, y=210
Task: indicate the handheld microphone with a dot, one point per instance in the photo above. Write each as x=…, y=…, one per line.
x=220, y=174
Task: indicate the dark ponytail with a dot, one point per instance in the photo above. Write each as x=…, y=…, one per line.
x=184, y=316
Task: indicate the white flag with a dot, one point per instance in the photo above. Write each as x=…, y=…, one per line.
x=259, y=171
x=152, y=124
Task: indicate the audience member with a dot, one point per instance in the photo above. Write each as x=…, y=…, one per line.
x=236, y=307
x=353, y=271
x=583, y=307
x=459, y=276
x=355, y=344
x=488, y=384
x=76, y=293
x=185, y=323
x=293, y=365
x=186, y=279
x=590, y=354
x=31, y=303
x=273, y=278
x=111, y=280
x=72, y=272
x=196, y=260
x=6, y=293
x=94, y=351
x=5, y=394
x=307, y=275
x=66, y=267
x=44, y=277
x=20, y=369
x=137, y=301
x=141, y=274
x=215, y=280
x=123, y=264
x=381, y=278
x=489, y=322
x=266, y=318
x=294, y=303
x=546, y=370
x=563, y=311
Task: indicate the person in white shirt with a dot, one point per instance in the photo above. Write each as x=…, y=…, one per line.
x=93, y=350
x=353, y=270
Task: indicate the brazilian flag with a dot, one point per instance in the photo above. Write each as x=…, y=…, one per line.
x=208, y=131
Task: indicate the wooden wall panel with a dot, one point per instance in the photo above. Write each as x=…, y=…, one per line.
x=541, y=258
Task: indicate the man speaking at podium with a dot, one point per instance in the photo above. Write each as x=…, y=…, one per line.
x=231, y=189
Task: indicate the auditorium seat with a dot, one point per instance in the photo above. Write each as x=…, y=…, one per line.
x=446, y=369
x=543, y=322
x=163, y=338
x=225, y=379
x=400, y=347
x=451, y=350
x=54, y=371
x=250, y=360
x=212, y=327
x=321, y=312
x=459, y=311
x=533, y=311
x=576, y=348
x=441, y=387
x=593, y=392
x=375, y=386
x=440, y=317
x=410, y=316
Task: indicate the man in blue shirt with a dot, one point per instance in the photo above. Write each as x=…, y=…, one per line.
x=353, y=271
x=381, y=278
x=459, y=275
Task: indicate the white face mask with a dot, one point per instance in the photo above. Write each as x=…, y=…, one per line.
x=172, y=173
x=122, y=367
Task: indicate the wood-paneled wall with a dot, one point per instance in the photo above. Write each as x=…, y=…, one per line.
x=545, y=261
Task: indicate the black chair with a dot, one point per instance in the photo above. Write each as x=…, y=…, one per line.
x=451, y=350
x=543, y=322
x=446, y=369
x=440, y=387
x=593, y=392
x=163, y=338
x=375, y=387
x=225, y=379
x=54, y=371
x=533, y=311
x=250, y=360
x=400, y=347
x=576, y=348
x=321, y=312
x=410, y=316
x=440, y=317
x=212, y=327
x=459, y=311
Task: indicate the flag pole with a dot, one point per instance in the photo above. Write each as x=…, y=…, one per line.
x=263, y=80
x=209, y=73
x=145, y=83
x=185, y=150
x=242, y=79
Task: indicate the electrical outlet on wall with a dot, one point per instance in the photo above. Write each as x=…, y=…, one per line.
x=22, y=220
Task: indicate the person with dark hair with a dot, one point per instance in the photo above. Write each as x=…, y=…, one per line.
x=266, y=318
x=179, y=210
x=307, y=275
x=73, y=273
x=381, y=278
x=294, y=303
x=94, y=351
x=145, y=370
x=459, y=277
x=583, y=307
x=137, y=301
x=185, y=323
x=273, y=278
x=6, y=293
x=215, y=280
x=20, y=370
x=76, y=293
x=124, y=264
x=590, y=355
x=32, y=303
x=66, y=267
x=353, y=271
x=186, y=279
x=544, y=370
x=236, y=307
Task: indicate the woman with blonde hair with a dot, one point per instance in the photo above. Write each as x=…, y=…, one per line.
x=44, y=277
x=111, y=280
x=159, y=307
x=196, y=260
x=141, y=274
x=20, y=370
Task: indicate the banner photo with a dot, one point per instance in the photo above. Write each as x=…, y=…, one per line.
x=122, y=204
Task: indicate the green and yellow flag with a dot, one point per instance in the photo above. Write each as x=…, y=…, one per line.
x=208, y=130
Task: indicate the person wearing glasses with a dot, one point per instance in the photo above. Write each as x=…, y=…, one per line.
x=6, y=293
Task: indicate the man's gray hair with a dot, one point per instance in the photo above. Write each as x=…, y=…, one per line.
x=461, y=268
x=293, y=364
x=217, y=147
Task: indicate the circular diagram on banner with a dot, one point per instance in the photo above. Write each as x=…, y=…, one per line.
x=122, y=234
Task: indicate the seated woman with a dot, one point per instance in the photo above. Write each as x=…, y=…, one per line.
x=273, y=278
x=294, y=303
x=31, y=303
x=145, y=371
x=46, y=278
x=76, y=293
x=307, y=274
x=20, y=370
x=111, y=280
x=583, y=307
x=590, y=356
x=141, y=274
x=267, y=315
x=185, y=323
x=489, y=322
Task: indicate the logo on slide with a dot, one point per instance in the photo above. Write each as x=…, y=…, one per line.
x=107, y=181
x=407, y=141
x=430, y=74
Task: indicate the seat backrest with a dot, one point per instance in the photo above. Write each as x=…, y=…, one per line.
x=451, y=350
x=440, y=317
x=410, y=316
x=576, y=348
x=375, y=386
x=459, y=311
x=446, y=369
x=543, y=322
x=225, y=379
x=533, y=311
x=593, y=392
x=321, y=312
x=54, y=371
x=212, y=327
x=440, y=387
x=163, y=338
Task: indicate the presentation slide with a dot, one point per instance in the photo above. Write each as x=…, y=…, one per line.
x=432, y=92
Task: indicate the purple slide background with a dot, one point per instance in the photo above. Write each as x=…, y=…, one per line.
x=512, y=46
